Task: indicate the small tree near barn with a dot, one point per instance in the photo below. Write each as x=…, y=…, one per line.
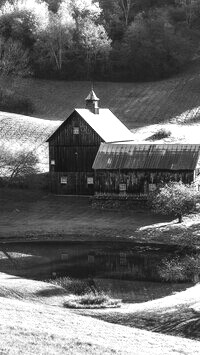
x=175, y=198
x=15, y=167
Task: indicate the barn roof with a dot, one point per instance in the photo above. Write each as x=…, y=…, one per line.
x=146, y=156
x=105, y=124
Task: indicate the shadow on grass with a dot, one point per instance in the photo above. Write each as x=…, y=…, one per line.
x=49, y=292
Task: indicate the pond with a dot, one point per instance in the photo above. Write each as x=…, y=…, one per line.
x=133, y=291
x=139, y=291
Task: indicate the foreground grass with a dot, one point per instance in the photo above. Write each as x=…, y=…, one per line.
x=177, y=315
x=29, y=327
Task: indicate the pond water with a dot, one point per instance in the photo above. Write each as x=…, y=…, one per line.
x=139, y=291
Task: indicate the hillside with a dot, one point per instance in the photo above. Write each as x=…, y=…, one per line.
x=29, y=133
x=31, y=327
x=136, y=104
x=146, y=108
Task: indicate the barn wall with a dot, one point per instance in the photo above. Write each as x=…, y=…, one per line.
x=136, y=181
x=73, y=156
x=65, y=135
x=75, y=183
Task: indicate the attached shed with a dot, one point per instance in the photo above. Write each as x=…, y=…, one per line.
x=74, y=145
x=139, y=168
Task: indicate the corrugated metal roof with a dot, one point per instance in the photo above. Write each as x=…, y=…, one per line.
x=147, y=156
x=107, y=125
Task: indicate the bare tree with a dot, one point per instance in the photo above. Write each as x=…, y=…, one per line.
x=126, y=8
x=16, y=166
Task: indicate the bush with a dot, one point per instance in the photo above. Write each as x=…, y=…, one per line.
x=72, y=286
x=174, y=198
x=11, y=102
x=161, y=134
x=180, y=269
x=90, y=300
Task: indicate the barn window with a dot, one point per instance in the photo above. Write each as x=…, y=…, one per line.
x=53, y=162
x=152, y=187
x=64, y=256
x=122, y=187
x=90, y=181
x=122, y=259
x=63, y=180
x=90, y=258
x=76, y=130
x=109, y=161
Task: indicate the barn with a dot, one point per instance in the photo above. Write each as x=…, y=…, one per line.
x=74, y=145
x=139, y=168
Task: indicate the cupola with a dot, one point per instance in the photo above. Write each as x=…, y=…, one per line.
x=92, y=102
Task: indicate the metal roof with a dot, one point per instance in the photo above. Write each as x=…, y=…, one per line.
x=106, y=125
x=147, y=156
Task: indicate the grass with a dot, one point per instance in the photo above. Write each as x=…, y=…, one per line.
x=136, y=104
x=146, y=108
x=32, y=214
x=29, y=324
x=91, y=301
x=177, y=315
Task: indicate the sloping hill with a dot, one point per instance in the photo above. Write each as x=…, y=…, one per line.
x=29, y=133
x=136, y=104
x=28, y=327
x=146, y=108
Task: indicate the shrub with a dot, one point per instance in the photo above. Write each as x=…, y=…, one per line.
x=90, y=300
x=175, y=198
x=11, y=102
x=72, y=286
x=161, y=134
x=180, y=269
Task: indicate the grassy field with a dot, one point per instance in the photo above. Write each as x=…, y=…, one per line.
x=36, y=214
x=31, y=323
x=136, y=104
x=146, y=108
x=30, y=213
x=177, y=314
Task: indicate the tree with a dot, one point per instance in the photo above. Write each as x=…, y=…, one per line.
x=151, y=49
x=175, y=198
x=14, y=59
x=16, y=166
x=126, y=6
x=54, y=41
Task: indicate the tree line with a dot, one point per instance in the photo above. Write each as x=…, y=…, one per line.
x=121, y=40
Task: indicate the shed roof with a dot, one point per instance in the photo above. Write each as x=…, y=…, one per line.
x=105, y=124
x=147, y=157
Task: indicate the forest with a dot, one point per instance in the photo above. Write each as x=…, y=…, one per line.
x=107, y=40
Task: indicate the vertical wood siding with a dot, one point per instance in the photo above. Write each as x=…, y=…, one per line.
x=73, y=155
x=136, y=181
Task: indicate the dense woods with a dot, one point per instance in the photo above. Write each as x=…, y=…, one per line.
x=119, y=40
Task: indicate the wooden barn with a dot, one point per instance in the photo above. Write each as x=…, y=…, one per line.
x=74, y=145
x=139, y=168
